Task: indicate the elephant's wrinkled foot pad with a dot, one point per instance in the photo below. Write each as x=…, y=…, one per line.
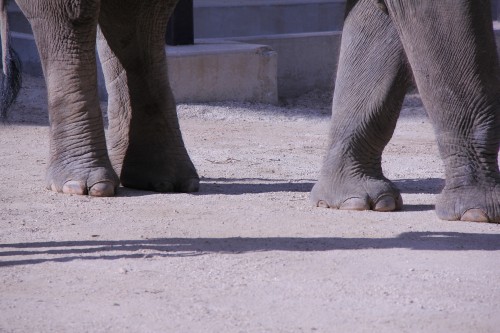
x=380, y=196
x=471, y=204
x=101, y=182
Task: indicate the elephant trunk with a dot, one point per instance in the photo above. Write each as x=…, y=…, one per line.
x=11, y=65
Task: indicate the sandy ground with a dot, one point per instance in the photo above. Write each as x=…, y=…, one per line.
x=247, y=253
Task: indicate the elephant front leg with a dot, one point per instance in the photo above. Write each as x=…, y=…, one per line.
x=371, y=83
x=145, y=141
x=65, y=36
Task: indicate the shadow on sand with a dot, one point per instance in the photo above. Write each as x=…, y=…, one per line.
x=239, y=186
x=26, y=253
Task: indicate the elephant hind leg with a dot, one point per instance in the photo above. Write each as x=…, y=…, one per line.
x=453, y=56
x=145, y=141
x=371, y=83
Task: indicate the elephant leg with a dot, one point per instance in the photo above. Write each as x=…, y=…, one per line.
x=372, y=79
x=145, y=141
x=65, y=33
x=451, y=50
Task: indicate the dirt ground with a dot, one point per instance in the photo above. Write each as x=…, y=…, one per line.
x=248, y=253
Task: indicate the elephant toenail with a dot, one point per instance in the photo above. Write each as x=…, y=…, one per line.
x=74, y=187
x=322, y=204
x=385, y=203
x=355, y=204
x=475, y=215
x=102, y=189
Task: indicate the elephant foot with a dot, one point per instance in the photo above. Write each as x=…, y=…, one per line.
x=93, y=181
x=363, y=194
x=160, y=173
x=470, y=203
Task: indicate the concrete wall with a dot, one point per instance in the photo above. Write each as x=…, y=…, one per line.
x=306, y=61
x=495, y=8
x=217, y=70
x=237, y=18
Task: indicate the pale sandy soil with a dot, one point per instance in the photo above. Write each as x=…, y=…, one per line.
x=247, y=253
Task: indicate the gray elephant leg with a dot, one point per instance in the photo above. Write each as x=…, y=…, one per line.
x=372, y=79
x=65, y=34
x=451, y=50
x=145, y=142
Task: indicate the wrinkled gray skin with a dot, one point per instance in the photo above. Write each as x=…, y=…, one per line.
x=449, y=48
x=145, y=144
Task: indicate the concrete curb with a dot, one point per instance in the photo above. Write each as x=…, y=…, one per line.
x=215, y=70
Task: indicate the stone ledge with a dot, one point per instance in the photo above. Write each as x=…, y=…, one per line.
x=216, y=70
